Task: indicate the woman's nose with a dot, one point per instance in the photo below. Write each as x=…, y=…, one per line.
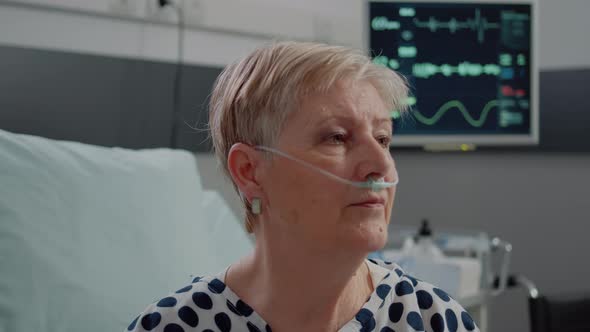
x=375, y=161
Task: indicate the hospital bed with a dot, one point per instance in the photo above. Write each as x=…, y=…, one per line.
x=90, y=235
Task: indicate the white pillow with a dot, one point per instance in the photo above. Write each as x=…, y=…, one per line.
x=91, y=235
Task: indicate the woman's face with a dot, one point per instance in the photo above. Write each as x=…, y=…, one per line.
x=346, y=132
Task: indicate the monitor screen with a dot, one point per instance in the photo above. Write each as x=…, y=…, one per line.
x=470, y=67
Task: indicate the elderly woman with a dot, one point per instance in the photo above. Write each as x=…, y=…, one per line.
x=303, y=131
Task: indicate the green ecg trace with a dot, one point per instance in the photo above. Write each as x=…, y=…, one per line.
x=478, y=24
x=456, y=103
x=465, y=68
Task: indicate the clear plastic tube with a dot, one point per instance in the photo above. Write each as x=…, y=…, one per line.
x=373, y=184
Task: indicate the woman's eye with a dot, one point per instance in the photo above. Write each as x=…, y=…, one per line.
x=384, y=141
x=337, y=138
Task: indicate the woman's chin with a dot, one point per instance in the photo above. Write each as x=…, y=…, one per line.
x=370, y=236
x=377, y=242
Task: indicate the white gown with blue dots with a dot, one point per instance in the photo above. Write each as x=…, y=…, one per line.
x=399, y=303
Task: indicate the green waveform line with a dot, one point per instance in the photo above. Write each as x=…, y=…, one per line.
x=478, y=24
x=456, y=103
x=425, y=70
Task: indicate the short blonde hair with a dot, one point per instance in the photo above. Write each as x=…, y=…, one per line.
x=253, y=96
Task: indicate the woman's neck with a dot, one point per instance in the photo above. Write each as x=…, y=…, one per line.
x=294, y=289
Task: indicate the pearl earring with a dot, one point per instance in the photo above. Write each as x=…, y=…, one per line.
x=256, y=205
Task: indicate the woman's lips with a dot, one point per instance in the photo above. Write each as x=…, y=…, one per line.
x=370, y=203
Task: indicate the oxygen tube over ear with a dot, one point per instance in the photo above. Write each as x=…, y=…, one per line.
x=373, y=184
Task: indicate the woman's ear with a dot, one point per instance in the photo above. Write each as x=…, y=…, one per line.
x=242, y=162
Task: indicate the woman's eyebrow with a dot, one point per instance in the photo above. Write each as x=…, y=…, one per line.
x=351, y=119
x=386, y=120
x=335, y=118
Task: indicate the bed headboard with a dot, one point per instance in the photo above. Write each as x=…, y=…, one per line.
x=103, y=100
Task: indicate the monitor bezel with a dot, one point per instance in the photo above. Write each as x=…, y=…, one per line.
x=532, y=138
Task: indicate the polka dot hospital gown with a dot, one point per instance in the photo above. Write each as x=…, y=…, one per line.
x=398, y=303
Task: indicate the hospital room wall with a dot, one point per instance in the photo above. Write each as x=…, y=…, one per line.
x=563, y=26
x=563, y=42
x=536, y=201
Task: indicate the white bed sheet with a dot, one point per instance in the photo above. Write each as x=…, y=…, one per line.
x=90, y=235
